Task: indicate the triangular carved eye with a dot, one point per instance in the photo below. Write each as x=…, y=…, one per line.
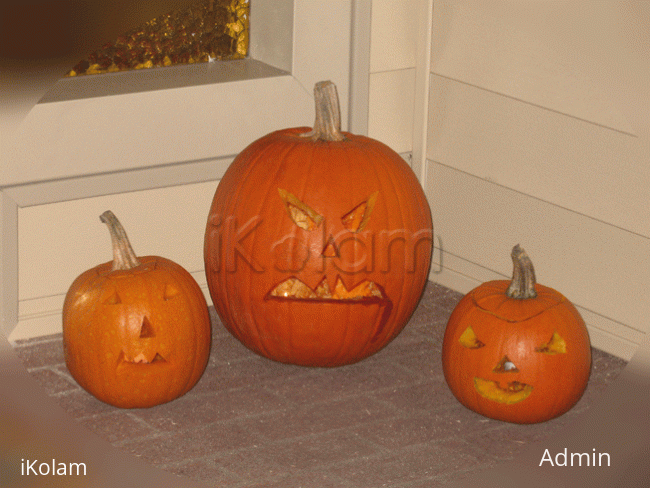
x=302, y=215
x=147, y=329
x=556, y=345
x=357, y=218
x=469, y=340
x=113, y=299
x=170, y=292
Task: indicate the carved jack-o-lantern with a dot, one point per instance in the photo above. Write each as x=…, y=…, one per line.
x=318, y=243
x=136, y=331
x=516, y=351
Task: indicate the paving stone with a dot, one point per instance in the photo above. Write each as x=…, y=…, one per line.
x=41, y=352
x=342, y=382
x=302, y=479
x=421, y=359
x=52, y=380
x=117, y=426
x=604, y=366
x=428, y=396
x=387, y=421
x=321, y=417
x=252, y=370
x=185, y=445
x=422, y=462
x=80, y=404
x=203, y=470
x=226, y=348
x=297, y=455
x=506, y=440
x=412, y=429
x=195, y=411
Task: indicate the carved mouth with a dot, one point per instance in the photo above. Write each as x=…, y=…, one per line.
x=305, y=313
x=514, y=392
x=141, y=359
x=293, y=288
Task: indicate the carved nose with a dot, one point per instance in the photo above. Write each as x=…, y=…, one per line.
x=147, y=329
x=330, y=250
x=505, y=366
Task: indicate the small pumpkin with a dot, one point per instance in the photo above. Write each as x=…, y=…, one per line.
x=516, y=351
x=136, y=331
x=318, y=243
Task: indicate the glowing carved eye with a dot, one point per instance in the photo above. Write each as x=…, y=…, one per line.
x=468, y=339
x=357, y=219
x=301, y=214
x=556, y=345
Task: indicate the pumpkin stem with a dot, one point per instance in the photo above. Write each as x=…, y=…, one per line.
x=123, y=256
x=327, y=126
x=523, y=275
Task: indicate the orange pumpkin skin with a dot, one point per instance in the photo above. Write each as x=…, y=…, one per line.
x=517, y=329
x=139, y=337
x=252, y=245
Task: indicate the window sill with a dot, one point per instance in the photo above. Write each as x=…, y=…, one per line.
x=144, y=80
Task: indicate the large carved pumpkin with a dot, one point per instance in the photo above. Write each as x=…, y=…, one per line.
x=318, y=243
x=516, y=351
x=136, y=331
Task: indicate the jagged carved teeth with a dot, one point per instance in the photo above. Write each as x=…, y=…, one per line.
x=294, y=288
x=141, y=358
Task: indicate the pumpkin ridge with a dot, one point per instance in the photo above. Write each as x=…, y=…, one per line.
x=237, y=169
x=267, y=196
x=255, y=155
x=288, y=158
x=200, y=357
x=371, y=153
x=342, y=343
x=276, y=153
x=413, y=213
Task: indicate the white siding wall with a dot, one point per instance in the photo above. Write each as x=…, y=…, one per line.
x=538, y=134
x=393, y=41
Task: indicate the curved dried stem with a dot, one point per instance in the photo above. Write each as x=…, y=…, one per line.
x=523, y=275
x=123, y=256
x=327, y=126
